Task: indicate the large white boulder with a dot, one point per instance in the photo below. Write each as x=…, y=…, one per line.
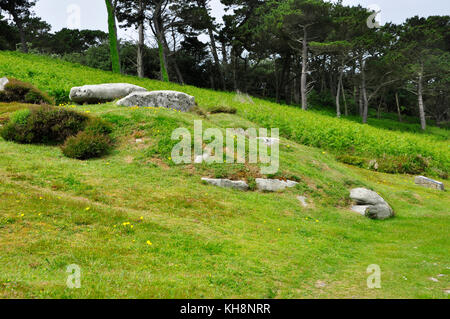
x=168, y=99
x=3, y=82
x=370, y=204
x=102, y=92
x=273, y=185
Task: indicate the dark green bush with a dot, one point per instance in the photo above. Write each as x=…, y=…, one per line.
x=85, y=146
x=18, y=91
x=46, y=124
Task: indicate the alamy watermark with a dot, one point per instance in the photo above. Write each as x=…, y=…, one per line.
x=74, y=277
x=229, y=149
x=374, y=279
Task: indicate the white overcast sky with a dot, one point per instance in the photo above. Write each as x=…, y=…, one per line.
x=93, y=12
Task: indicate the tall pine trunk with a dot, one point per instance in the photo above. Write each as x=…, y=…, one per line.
x=423, y=122
x=345, y=99
x=398, y=107
x=364, y=93
x=303, y=87
x=112, y=29
x=19, y=25
x=140, y=49
x=161, y=47
x=216, y=57
x=338, y=93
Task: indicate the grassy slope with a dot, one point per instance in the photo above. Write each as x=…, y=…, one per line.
x=206, y=242
x=310, y=128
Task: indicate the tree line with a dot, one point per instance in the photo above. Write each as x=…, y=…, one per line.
x=308, y=53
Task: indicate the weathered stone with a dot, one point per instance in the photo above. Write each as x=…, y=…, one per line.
x=428, y=182
x=302, y=200
x=102, y=92
x=320, y=284
x=226, y=183
x=3, y=82
x=168, y=99
x=273, y=185
x=370, y=204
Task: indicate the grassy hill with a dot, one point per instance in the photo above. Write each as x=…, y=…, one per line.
x=140, y=226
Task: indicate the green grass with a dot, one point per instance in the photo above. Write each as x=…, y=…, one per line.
x=207, y=242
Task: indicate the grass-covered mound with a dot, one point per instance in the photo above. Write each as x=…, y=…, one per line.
x=43, y=125
x=394, y=148
x=18, y=91
x=84, y=137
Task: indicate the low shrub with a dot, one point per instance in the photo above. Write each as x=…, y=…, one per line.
x=223, y=109
x=403, y=164
x=18, y=91
x=86, y=145
x=43, y=125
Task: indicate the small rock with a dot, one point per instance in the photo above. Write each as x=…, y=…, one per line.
x=428, y=182
x=168, y=99
x=139, y=140
x=3, y=82
x=226, y=183
x=102, y=92
x=302, y=200
x=320, y=284
x=447, y=291
x=273, y=185
x=433, y=279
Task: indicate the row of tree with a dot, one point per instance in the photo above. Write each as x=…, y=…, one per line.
x=302, y=52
